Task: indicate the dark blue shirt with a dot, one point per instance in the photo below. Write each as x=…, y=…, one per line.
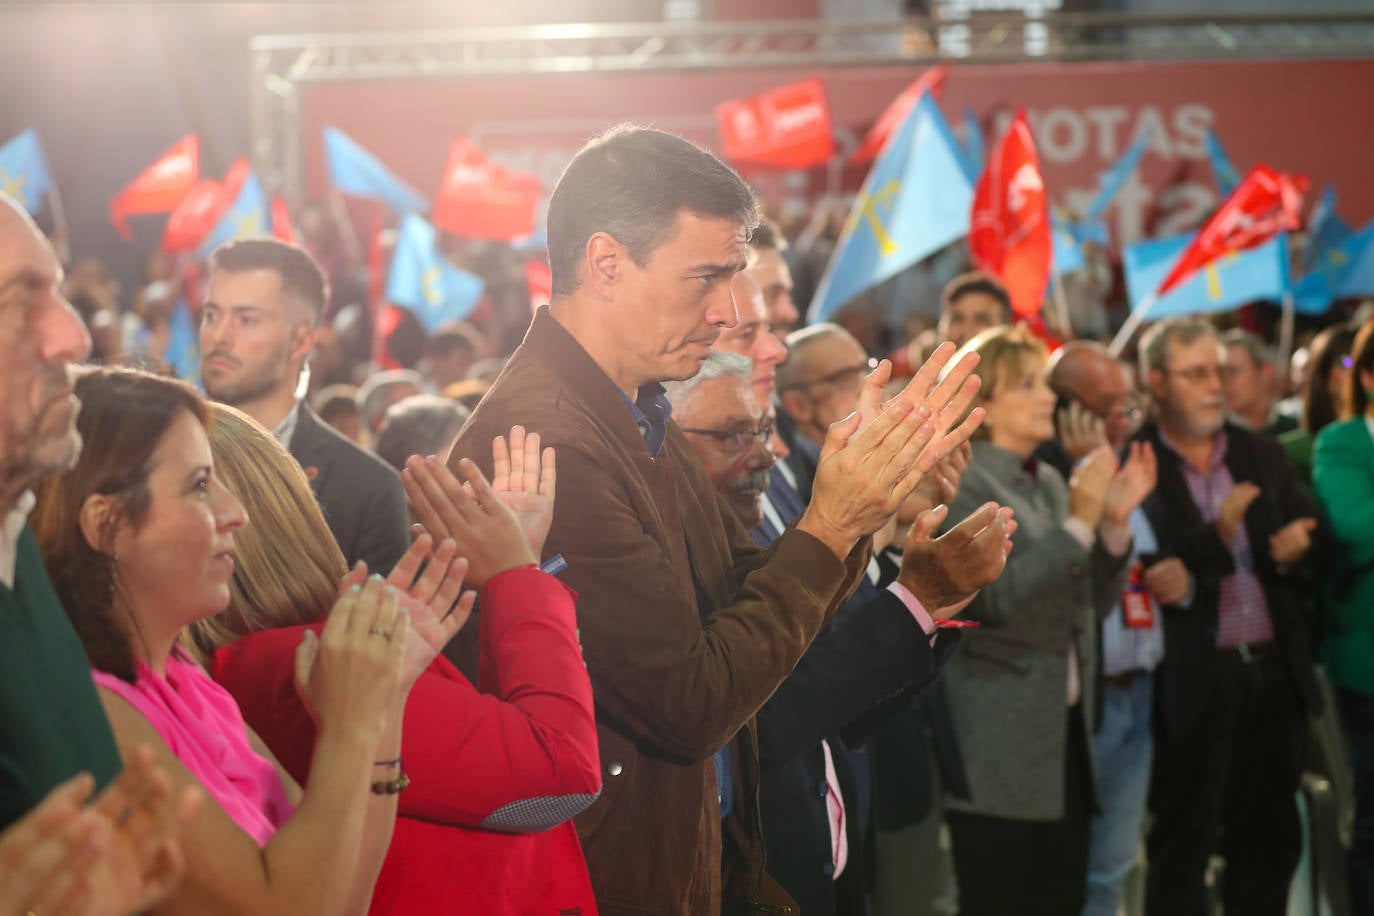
x=651, y=411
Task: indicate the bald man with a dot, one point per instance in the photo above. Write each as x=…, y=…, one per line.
x=1097, y=403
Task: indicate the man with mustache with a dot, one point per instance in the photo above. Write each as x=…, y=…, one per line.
x=258, y=325
x=687, y=627
x=1236, y=683
x=878, y=648
x=119, y=853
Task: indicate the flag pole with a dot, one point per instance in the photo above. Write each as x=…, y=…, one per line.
x=347, y=232
x=1061, y=304
x=59, y=224
x=1286, y=331
x=1128, y=329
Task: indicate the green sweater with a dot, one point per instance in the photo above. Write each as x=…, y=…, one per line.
x=1343, y=471
x=52, y=725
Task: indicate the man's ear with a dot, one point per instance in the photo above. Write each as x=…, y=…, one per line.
x=303, y=341
x=604, y=264
x=99, y=523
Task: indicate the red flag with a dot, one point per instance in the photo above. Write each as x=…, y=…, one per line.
x=159, y=187
x=1263, y=204
x=195, y=216
x=540, y=279
x=281, y=221
x=786, y=128
x=1009, y=233
x=932, y=81
x=481, y=200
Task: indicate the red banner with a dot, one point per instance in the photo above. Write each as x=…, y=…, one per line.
x=1009, y=233
x=1263, y=204
x=194, y=217
x=785, y=128
x=480, y=200
x=932, y=81
x=281, y=221
x=159, y=187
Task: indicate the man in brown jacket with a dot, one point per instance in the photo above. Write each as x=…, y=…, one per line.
x=687, y=627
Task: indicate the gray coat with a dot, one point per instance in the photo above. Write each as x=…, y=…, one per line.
x=1007, y=682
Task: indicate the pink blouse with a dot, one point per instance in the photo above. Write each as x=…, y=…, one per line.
x=202, y=725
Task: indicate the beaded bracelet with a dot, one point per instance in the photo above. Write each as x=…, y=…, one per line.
x=391, y=786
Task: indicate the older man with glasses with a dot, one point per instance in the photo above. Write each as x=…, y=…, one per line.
x=1237, y=684
x=813, y=789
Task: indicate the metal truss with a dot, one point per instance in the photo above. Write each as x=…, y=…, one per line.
x=282, y=65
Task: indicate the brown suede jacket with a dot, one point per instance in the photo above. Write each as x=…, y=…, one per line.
x=686, y=626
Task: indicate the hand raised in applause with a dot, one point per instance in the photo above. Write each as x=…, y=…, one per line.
x=437, y=605
x=488, y=533
x=1168, y=581
x=350, y=676
x=1291, y=542
x=1128, y=488
x=1233, y=508
x=1088, y=485
x=947, y=572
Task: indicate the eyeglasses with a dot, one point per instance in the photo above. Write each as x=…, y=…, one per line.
x=849, y=376
x=1200, y=374
x=739, y=440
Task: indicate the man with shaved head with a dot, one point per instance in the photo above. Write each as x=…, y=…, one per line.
x=1097, y=403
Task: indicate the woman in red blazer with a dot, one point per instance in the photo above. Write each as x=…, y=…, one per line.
x=495, y=772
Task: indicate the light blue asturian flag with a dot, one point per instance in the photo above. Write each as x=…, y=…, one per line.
x=1068, y=257
x=1333, y=249
x=246, y=218
x=1358, y=279
x=974, y=154
x=423, y=281
x=1234, y=279
x=1112, y=179
x=1225, y=173
x=915, y=201
x=24, y=171
x=183, y=344
x=353, y=170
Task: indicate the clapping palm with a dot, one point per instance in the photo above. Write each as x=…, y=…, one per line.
x=1131, y=484
x=524, y=480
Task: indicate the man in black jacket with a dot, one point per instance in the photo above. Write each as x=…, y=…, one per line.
x=1236, y=683
x=256, y=332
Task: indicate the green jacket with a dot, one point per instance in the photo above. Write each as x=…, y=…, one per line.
x=1343, y=473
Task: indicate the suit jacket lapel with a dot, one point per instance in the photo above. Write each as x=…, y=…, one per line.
x=308, y=447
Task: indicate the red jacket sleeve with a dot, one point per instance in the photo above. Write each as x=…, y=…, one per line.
x=521, y=755
x=521, y=759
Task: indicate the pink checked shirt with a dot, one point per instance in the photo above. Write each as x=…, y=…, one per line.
x=1242, y=610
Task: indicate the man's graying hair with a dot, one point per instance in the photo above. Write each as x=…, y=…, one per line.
x=632, y=182
x=1261, y=354
x=717, y=365
x=1154, y=346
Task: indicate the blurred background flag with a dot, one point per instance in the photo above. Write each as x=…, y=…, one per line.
x=929, y=84
x=245, y=218
x=159, y=187
x=1068, y=257
x=1226, y=283
x=974, y=153
x=915, y=201
x=788, y=127
x=423, y=280
x=1009, y=232
x=1225, y=173
x=353, y=170
x=1358, y=278
x=24, y=171
x=183, y=343
x=1112, y=179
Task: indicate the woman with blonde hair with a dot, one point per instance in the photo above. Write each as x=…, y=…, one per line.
x=1020, y=685
x=496, y=774
x=139, y=540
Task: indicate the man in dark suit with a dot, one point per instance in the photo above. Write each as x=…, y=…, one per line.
x=916, y=757
x=1236, y=682
x=256, y=332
